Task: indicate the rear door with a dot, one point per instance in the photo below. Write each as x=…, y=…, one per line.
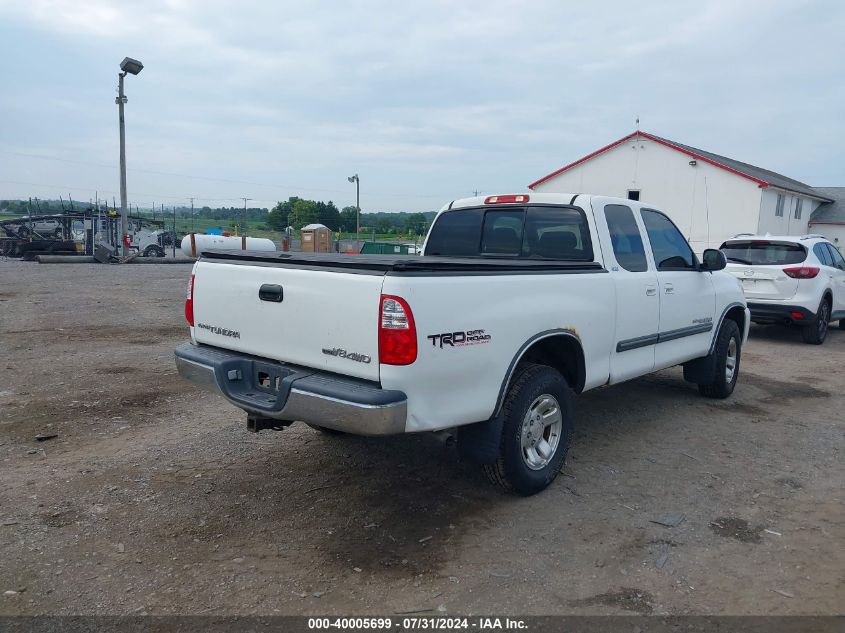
x=318, y=318
x=687, y=297
x=759, y=265
x=637, y=300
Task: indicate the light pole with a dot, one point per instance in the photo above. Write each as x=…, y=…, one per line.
x=357, y=182
x=132, y=66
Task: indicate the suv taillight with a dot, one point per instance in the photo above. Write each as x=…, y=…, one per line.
x=802, y=272
x=397, y=334
x=189, y=302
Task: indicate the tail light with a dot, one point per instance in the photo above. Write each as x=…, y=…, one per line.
x=802, y=272
x=397, y=334
x=189, y=302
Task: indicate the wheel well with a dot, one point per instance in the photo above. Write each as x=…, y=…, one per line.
x=737, y=313
x=561, y=352
x=828, y=296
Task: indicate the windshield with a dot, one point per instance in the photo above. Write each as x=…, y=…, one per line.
x=764, y=253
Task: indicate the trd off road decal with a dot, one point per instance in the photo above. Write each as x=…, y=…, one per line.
x=459, y=339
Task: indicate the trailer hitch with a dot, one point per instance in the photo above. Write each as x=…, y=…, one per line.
x=256, y=423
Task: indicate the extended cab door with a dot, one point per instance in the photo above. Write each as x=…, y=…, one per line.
x=687, y=297
x=637, y=300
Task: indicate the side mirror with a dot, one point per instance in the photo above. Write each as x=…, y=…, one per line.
x=714, y=260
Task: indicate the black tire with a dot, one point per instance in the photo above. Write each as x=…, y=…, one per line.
x=842, y=324
x=58, y=234
x=325, y=430
x=23, y=232
x=816, y=332
x=511, y=470
x=722, y=386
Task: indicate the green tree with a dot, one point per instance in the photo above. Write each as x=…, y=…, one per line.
x=348, y=219
x=281, y=214
x=304, y=212
x=416, y=223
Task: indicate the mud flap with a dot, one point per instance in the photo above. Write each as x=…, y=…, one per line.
x=701, y=370
x=479, y=443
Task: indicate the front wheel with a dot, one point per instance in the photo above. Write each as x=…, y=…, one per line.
x=816, y=332
x=728, y=351
x=536, y=431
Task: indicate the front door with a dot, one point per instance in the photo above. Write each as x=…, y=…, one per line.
x=687, y=297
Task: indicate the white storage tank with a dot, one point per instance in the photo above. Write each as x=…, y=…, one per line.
x=195, y=243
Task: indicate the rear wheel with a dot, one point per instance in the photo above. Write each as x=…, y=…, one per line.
x=816, y=332
x=536, y=431
x=153, y=251
x=728, y=351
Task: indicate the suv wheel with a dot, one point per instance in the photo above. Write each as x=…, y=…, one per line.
x=728, y=352
x=536, y=431
x=816, y=332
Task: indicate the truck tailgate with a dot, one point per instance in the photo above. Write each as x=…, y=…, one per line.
x=324, y=319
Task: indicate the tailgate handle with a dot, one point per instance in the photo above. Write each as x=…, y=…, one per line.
x=271, y=292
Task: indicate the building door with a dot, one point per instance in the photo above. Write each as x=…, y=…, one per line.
x=687, y=298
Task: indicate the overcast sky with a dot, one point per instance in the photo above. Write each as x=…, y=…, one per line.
x=427, y=101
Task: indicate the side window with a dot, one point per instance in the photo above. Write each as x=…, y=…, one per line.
x=670, y=249
x=799, y=206
x=820, y=251
x=625, y=237
x=836, y=256
x=557, y=233
x=455, y=234
x=779, y=206
x=502, y=234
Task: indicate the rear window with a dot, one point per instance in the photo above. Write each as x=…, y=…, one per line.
x=535, y=232
x=763, y=253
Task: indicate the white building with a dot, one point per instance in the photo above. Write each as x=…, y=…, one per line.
x=709, y=197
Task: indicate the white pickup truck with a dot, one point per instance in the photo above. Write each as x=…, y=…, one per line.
x=515, y=301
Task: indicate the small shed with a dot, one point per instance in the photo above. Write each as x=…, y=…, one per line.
x=316, y=238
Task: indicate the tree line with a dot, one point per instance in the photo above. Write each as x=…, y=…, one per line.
x=298, y=212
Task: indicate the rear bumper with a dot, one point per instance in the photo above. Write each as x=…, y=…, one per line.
x=780, y=313
x=287, y=392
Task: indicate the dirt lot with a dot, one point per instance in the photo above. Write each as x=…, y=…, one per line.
x=155, y=499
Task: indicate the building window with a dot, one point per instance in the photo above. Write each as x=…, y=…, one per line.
x=779, y=206
x=633, y=194
x=799, y=203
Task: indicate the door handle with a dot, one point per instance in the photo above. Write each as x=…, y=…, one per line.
x=271, y=292
x=670, y=289
x=650, y=291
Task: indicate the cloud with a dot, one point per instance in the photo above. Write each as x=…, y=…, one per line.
x=487, y=95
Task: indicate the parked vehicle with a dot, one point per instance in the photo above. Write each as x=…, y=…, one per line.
x=790, y=280
x=516, y=302
x=40, y=227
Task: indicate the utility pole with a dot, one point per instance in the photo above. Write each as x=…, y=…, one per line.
x=192, y=215
x=174, y=228
x=243, y=217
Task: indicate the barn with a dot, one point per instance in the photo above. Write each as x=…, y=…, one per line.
x=709, y=197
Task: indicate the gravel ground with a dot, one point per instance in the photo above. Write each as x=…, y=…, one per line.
x=155, y=499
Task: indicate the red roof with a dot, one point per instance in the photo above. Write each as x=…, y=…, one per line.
x=677, y=147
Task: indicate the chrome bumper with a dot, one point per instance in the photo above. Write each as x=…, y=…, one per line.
x=296, y=393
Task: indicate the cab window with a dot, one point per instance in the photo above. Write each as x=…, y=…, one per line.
x=670, y=249
x=625, y=238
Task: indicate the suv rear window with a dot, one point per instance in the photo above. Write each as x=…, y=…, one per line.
x=536, y=232
x=763, y=253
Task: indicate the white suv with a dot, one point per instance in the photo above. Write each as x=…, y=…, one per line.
x=791, y=280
